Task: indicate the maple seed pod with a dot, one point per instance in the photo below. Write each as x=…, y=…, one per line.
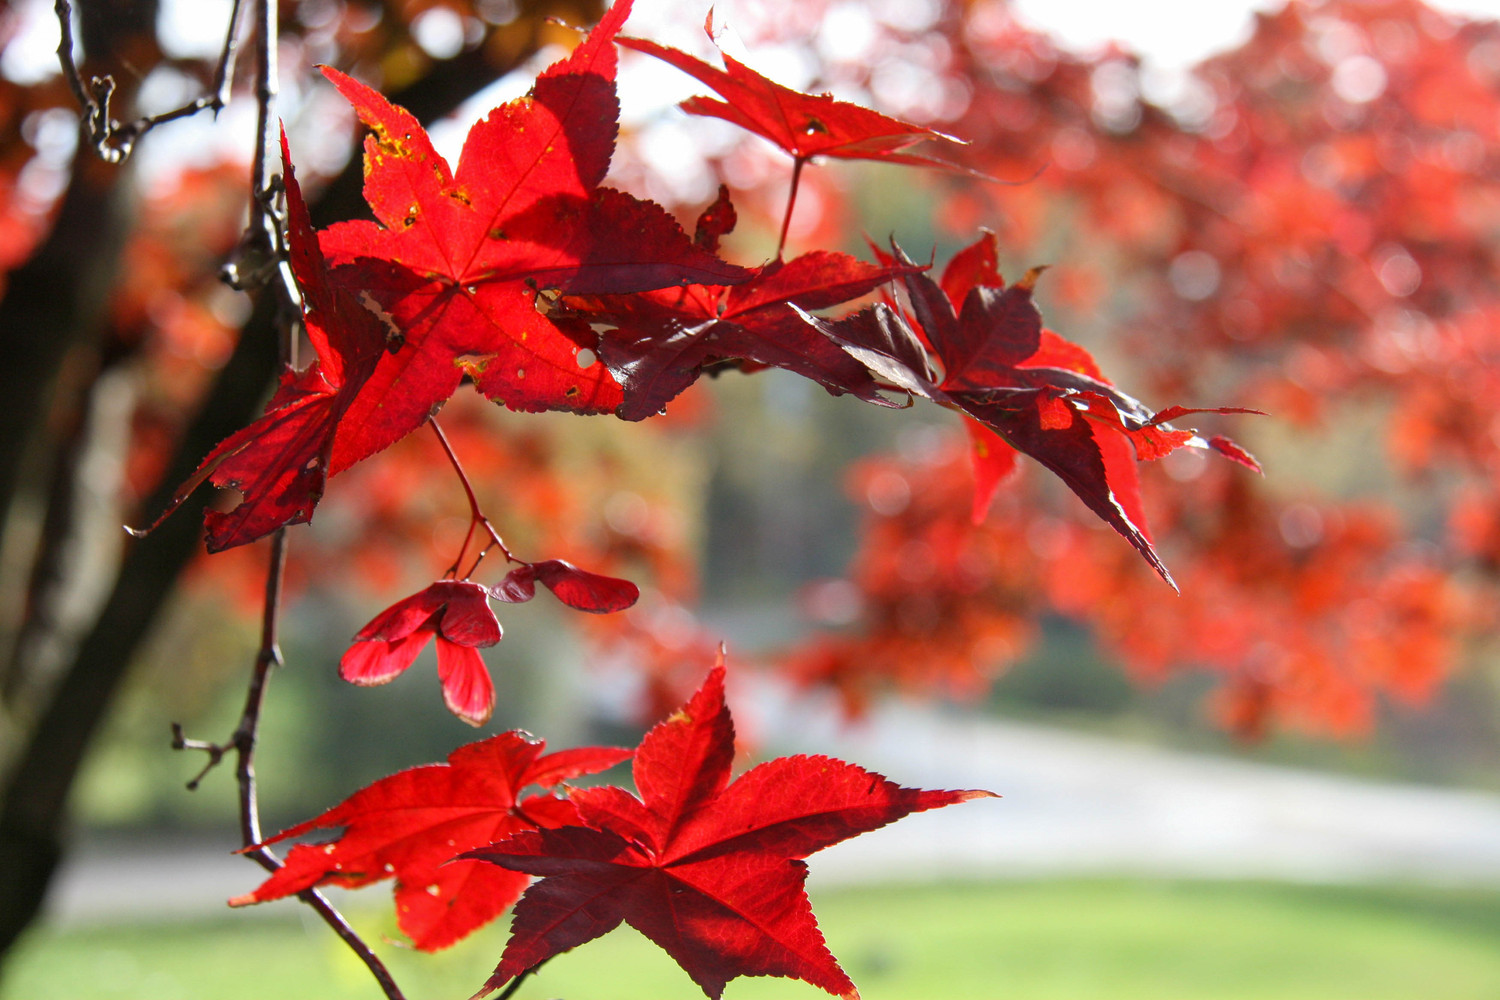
x=456, y=616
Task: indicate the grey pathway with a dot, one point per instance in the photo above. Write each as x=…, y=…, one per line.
x=1072, y=804
x=1077, y=804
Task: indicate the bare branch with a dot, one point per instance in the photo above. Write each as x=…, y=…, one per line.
x=264, y=236
x=215, y=751
x=113, y=142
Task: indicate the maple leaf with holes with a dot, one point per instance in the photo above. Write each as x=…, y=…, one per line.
x=456, y=613
x=410, y=825
x=661, y=341
x=282, y=461
x=711, y=870
x=1025, y=387
x=805, y=125
x=456, y=259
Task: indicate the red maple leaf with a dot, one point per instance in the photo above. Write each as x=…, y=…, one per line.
x=282, y=461
x=454, y=612
x=1039, y=394
x=663, y=340
x=708, y=869
x=455, y=260
x=805, y=125
x=409, y=826
x=993, y=461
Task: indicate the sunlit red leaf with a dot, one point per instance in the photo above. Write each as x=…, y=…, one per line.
x=455, y=261
x=805, y=125
x=1234, y=452
x=282, y=461
x=976, y=264
x=993, y=461
x=411, y=825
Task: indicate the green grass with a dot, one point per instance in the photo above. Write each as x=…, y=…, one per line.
x=1053, y=940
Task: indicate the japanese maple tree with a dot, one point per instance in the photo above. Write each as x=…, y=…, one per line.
x=1296, y=242
x=517, y=271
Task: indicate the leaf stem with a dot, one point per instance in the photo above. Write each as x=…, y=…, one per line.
x=462, y=549
x=791, y=201
x=476, y=515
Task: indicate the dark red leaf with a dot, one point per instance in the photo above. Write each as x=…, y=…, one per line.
x=1095, y=463
x=281, y=462
x=1021, y=381
x=575, y=587
x=1005, y=326
x=709, y=870
x=662, y=341
x=879, y=339
x=995, y=330
x=717, y=221
x=518, y=587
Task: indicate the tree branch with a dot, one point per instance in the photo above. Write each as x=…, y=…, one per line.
x=113, y=142
x=264, y=234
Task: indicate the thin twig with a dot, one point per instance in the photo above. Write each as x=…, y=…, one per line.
x=515, y=984
x=319, y=903
x=263, y=248
x=224, y=74
x=112, y=141
x=248, y=731
x=215, y=751
x=264, y=177
x=244, y=742
x=265, y=182
x=264, y=235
